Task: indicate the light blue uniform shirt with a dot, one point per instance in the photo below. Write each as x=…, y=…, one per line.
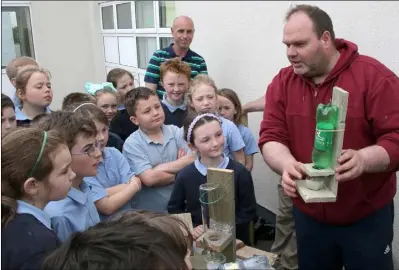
x=113, y=170
x=77, y=211
x=204, y=170
x=143, y=154
x=232, y=138
x=39, y=214
x=19, y=115
x=251, y=147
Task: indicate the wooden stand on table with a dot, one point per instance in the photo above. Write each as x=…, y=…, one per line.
x=328, y=189
x=221, y=212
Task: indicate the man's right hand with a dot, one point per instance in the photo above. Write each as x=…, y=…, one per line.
x=292, y=171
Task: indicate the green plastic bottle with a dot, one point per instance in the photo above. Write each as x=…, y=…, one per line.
x=326, y=120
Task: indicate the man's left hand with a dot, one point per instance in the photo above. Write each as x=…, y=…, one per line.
x=351, y=165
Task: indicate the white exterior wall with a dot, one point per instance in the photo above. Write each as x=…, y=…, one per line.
x=242, y=44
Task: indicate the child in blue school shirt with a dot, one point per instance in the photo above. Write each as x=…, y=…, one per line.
x=28, y=184
x=77, y=211
x=33, y=89
x=155, y=152
x=114, y=173
x=175, y=76
x=231, y=109
x=205, y=136
x=202, y=98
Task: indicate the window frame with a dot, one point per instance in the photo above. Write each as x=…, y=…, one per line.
x=11, y=4
x=156, y=32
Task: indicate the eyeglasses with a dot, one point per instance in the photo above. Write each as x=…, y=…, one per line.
x=91, y=151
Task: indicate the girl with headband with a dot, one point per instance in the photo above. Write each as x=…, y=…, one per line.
x=30, y=178
x=204, y=135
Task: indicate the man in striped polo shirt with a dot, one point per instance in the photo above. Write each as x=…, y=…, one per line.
x=183, y=33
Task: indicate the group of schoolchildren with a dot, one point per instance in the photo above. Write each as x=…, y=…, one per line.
x=109, y=156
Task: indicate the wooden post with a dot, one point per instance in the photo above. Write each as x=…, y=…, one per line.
x=329, y=186
x=223, y=211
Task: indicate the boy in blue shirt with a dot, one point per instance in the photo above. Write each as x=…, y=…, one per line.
x=77, y=212
x=155, y=152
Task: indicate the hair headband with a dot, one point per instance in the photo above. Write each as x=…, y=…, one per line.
x=86, y=103
x=32, y=172
x=196, y=119
x=92, y=88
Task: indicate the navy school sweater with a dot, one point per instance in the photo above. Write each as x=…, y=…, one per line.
x=25, y=242
x=115, y=141
x=185, y=196
x=174, y=118
x=121, y=125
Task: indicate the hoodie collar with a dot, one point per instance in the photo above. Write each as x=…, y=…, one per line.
x=348, y=52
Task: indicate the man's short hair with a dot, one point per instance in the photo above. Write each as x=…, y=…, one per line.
x=321, y=20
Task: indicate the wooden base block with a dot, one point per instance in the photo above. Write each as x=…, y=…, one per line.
x=217, y=241
x=314, y=196
x=312, y=172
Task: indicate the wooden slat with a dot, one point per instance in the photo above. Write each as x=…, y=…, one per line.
x=340, y=98
x=314, y=196
x=224, y=210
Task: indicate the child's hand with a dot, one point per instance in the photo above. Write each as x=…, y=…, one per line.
x=181, y=153
x=197, y=232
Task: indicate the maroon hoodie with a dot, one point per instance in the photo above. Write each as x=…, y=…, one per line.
x=372, y=118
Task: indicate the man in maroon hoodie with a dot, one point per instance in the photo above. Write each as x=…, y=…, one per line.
x=356, y=231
